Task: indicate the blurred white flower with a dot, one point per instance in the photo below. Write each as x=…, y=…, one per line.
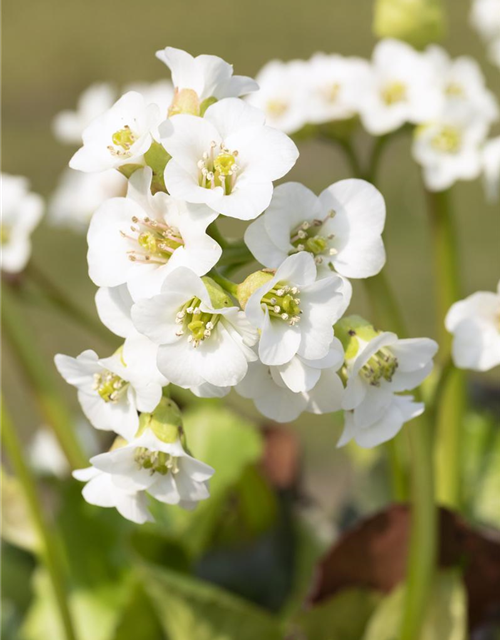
x=403, y=87
x=139, y=239
x=283, y=392
x=68, y=125
x=160, y=93
x=449, y=148
x=202, y=338
x=491, y=168
x=485, y=18
x=46, y=455
x=119, y=136
x=112, y=390
x=21, y=213
x=341, y=228
x=282, y=94
x=475, y=325
x=228, y=159
x=78, y=195
x=294, y=311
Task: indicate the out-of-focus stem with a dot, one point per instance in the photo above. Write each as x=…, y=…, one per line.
x=228, y=285
x=37, y=371
x=49, y=549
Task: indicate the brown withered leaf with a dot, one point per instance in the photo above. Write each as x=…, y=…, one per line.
x=280, y=462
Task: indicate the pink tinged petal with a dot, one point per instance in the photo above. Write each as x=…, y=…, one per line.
x=114, y=309
x=279, y=341
x=326, y=396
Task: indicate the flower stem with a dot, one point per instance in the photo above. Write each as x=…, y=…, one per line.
x=451, y=407
x=214, y=232
x=19, y=337
x=235, y=254
x=50, y=551
x=227, y=285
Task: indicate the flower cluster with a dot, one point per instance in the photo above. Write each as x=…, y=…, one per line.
x=279, y=337
x=485, y=18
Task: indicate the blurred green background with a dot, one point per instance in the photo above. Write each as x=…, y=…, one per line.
x=53, y=50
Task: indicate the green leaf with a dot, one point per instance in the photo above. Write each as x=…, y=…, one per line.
x=341, y=617
x=192, y=609
x=446, y=617
x=139, y=620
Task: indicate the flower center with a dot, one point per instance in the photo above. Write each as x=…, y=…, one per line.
x=381, y=365
x=277, y=108
x=393, y=92
x=155, y=461
x=109, y=386
x=305, y=237
x=454, y=90
x=330, y=93
x=122, y=142
x=447, y=140
x=283, y=303
x=196, y=322
x=156, y=241
x=5, y=233
x=218, y=168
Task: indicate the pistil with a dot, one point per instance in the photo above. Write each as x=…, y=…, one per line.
x=197, y=323
x=282, y=302
x=156, y=461
x=122, y=142
x=156, y=241
x=382, y=364
x=305, y=237
x=218, y=168
x=109, y=386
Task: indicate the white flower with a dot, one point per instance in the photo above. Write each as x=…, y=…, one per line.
x=163, y=469
x=341, y=228
x=79, y=195
x=101, y=491
x=400, y=409
x=208, y=76
x=449, y=148
x=45, y=454
x=111, y=390
x=160, y=93
x=485, y=18
x=202, y=340
x=475, y=325
x=334, y=87
x=283, y=392
x=68, y=125
x=403, y=88
x=282, y=94
x=138, y=240
x=294, y=311
x=21, y=213
x=381, y=367
x=494, y=51
x=121, y=135
x=228, y=159
x=463, y=84
x=491, y=168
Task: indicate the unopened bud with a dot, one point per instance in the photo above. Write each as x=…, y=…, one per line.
x=350, y=330
x=251, y=284
x=165, y=421
x=185, y=101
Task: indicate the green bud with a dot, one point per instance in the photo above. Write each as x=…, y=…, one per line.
x=185, y=101
x=208, y=102
x=165, y=421
x=253, y=282
x=349, y=329
x=418, y=22
x=218, y=297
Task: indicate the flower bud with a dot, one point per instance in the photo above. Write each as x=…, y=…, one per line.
x=218, y=297
x=185, y=101
x=418, y=22
x=253, y=282
x=349, y=330
x=208, y=102
x=165, y=421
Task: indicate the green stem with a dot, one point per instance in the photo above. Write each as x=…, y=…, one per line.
x=214, y=232
x=227, y=285
x=20, y=338
x=451, y=409
x=50, y=551
x=347, y=148
x=61, y=301
x=236, y=254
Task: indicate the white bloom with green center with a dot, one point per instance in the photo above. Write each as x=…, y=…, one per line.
x=282, y=94
x=377, y=366
x=449, y=147
x=341, y=229
x=475, y=325
x=490, y=160
x=162, y=469
x=68, y=126
x=202, y=337
x=282, y=393
x=112, y=390
x=403, y=87
x=228, y=159
x=21, y=213
x=202, y=79
x=139, y=239
x=294, y=311
x=120, y=136
x=334, y=86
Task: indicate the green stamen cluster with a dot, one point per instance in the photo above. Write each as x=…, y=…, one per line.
x=393, y=93
x=199, y=324
x=447, y=140
x=305, y=237
x=382, y=364
x=109, y=386
x=157, y=241
x=283, y=303
x=218, y=168
x=277, y=108
x=155, y=461
x=122, y=142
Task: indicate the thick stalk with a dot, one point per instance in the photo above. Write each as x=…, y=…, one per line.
x=49, y=550
x=228, y=285
x=20, y=338
x=451, y=407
